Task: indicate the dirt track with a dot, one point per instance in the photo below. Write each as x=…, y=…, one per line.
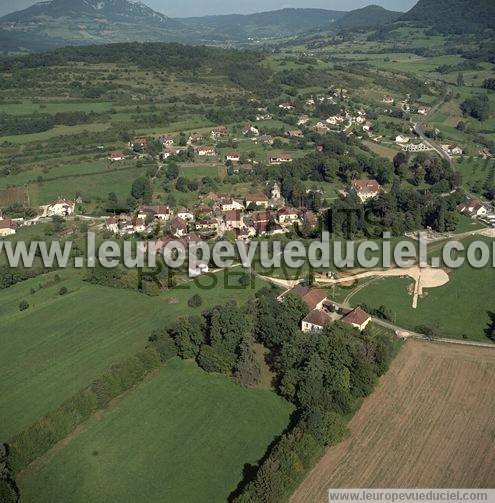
x=429, y=423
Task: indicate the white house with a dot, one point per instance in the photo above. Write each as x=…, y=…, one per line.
x=280, y=159
x=7, y=227
x=117, y=155
x=185, y=214
x=455, y=150
x=250, y=130
x=233, y=156
x=303, y=119
x=139, y=225
x=61, y=207
x=401, y=139
x=231, y=204
x=473, y=207
x=219, y=132
x=112, y=224
x=357, y=318
x=159, y=212
x=286, y=106
x=259, y=200
x=365, y=188
x=317, y=320
x=287, y=215
x=206, y=150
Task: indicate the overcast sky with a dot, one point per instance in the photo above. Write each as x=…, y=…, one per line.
x=186, y=8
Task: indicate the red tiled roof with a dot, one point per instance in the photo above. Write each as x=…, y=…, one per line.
x=7, y=224
x=256, y=197
x=366, y=186
x=311, y=296
x=356, y=317
x=233, y=216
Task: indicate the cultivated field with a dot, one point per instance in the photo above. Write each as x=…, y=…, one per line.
x=183, y=435
x=429, y=423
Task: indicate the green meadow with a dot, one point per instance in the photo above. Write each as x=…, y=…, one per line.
x=182, y=435
x=459, y=309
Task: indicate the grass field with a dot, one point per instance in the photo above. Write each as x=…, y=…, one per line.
x=459, y=309
x=429, y=423
x=61, y=343
x=54, y=132
x=29, y=107
x=181, y=436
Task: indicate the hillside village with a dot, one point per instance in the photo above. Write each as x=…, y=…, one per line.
x=261, y=379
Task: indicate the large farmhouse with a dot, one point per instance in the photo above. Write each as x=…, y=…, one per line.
x=366, y=188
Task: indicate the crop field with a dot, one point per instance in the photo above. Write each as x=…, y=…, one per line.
x=429, y=423
x=61, y=343
x=12, y=196
x=183, y=435
x=460, y=309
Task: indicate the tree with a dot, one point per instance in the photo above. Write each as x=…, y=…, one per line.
x=328, y=427
x=295, y=308
x=63, y=291
x=477, y=107
x=172, y=172
x=247, y=370
x=188, y=336
x=195, y=301
x=218, y=360
x=113, y=200
x=460, y=79
x=138, y=188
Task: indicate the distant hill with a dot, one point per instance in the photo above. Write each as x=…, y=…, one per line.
x=453, y=16
x=368, y=17
x=68, y=22
x=279, y=23
x=105, y=11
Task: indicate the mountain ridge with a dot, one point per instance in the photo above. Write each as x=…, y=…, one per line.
x=455, y=16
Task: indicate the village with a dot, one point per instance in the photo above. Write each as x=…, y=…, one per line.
x=263, y=213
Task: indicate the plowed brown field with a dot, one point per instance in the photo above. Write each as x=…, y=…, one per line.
x=430, y=423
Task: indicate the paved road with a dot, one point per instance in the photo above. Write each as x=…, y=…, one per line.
x=419, y=128
x=416, y=335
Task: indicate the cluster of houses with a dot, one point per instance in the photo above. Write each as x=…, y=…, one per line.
x=323, y=312
x=252, y=215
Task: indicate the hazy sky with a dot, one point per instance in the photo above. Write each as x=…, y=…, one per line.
x=185, y=8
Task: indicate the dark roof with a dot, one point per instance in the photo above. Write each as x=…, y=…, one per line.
x=318, y=317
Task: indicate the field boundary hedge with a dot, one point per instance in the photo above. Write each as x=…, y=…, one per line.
x=38, y=438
